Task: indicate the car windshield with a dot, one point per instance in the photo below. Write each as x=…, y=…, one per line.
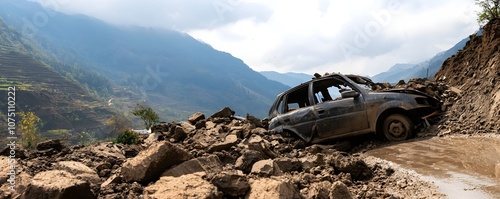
x=363, y=82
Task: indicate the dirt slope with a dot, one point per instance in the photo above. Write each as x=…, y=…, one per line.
x=475, y=71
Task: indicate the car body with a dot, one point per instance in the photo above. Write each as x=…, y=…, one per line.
x=337, y=105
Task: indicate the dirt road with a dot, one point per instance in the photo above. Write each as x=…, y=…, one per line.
x=462, y=167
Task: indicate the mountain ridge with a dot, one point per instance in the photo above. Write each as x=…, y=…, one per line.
x=168, y=70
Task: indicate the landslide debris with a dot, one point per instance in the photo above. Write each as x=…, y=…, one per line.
x=475, y=70
x=221, y=156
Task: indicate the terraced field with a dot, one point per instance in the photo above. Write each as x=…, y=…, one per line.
x=60, y=103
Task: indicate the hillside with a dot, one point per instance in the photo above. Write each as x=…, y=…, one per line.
x=475, y=70
x=169, y=70
x=290, y=79
x=408, y=71
x=60, y=103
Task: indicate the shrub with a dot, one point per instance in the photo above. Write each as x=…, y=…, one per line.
x=128, y=137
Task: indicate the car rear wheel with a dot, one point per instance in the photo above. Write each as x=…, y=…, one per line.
x=398, y=127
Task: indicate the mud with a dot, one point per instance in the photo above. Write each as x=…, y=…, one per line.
x=462, y=167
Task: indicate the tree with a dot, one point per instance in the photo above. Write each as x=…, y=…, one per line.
x=29, y=127
x=147, y=115
x=490, y=10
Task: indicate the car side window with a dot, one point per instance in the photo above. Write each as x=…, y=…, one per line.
x=329, y=89
x=296, y=99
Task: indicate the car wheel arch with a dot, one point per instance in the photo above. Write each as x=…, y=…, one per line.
x=386, y=113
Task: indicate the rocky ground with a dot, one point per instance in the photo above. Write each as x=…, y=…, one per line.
x=216, y=157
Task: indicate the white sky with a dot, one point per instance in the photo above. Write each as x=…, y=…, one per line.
x=298, y=35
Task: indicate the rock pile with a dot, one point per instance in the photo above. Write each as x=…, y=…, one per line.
x=476, y=71
x=221, y=156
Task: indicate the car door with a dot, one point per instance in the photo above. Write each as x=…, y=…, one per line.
x=338, y=115
x=297, y=114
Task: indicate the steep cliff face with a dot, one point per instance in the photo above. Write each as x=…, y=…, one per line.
x=475, y=70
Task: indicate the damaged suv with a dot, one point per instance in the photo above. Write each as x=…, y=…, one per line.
x=336, y=105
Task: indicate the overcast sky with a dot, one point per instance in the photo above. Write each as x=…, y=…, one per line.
x=298, y=35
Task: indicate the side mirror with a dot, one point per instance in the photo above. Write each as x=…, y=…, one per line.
x=348, y=94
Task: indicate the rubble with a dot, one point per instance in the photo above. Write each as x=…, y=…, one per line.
x=225, y=158
x=150, y=163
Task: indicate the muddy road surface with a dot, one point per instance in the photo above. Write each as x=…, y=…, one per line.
x=462, y=167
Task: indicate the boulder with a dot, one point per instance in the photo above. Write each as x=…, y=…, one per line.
x=247, y=159
x=288, y=164
x=312, y=161
x=266, y=168
x=186, y=186
x=79, y=170
x=195, y=118
x=272, y=188
x=231, y=183
x=50, y=144
x=230, y=141
x=150, y=163
x=56, y=184
x=225, y=112
x=340, y=191
x=209, y=164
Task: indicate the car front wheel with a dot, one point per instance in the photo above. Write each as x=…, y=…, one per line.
x=397, y=127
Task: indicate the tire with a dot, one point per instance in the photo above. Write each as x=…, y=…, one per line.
x=398, y=127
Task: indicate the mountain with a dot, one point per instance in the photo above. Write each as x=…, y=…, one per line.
x=475, y=71
x=63, y=105
x=408, y=71
x=290, y=79
x=168, y=70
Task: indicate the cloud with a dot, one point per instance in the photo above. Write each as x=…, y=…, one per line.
x=180, y=15
x=303, y=36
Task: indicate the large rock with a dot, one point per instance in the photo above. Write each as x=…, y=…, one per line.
x=79, y=170
x=288, y=164
x=266, y=168
x=265, y=188
x=233, y=184
x=209, y=164
x=56, y=184
x=247, y=159
x=50, y=144
x=340, y=191
x=150, y=163
x=186, y=186
x=195, y=118
x=225, y=112
x=230, y=141
x=312, y=161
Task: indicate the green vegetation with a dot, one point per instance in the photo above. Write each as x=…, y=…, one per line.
x=5, y=84
x=147, y=115
x=490, y=11
x=29, y=129
x=128, y=137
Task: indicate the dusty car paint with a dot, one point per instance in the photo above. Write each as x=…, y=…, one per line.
x=320, y=116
